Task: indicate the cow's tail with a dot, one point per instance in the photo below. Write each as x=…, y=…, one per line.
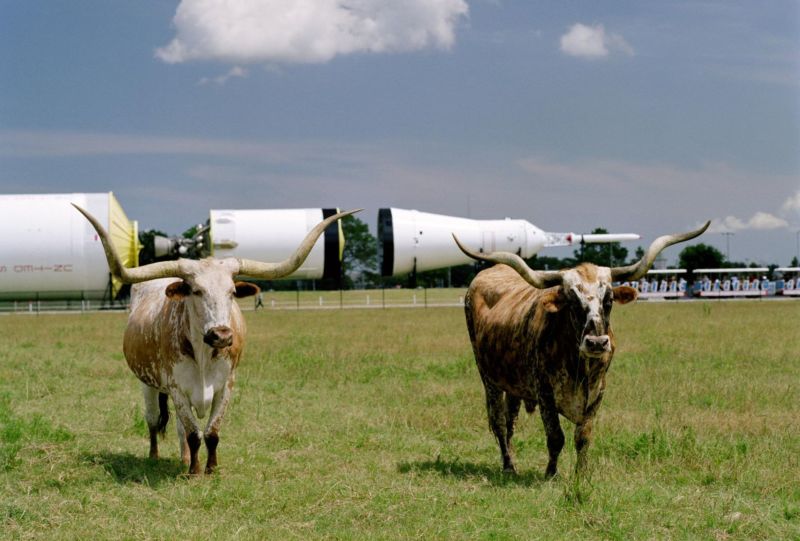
x=470, y=316
x=163, y=413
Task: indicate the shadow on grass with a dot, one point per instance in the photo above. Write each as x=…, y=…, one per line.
x=469, y=471
x=127, y=468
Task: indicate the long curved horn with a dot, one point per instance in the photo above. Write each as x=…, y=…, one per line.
x=640, y=268
x=538, y=279
x=165, y=269
x=272, y=271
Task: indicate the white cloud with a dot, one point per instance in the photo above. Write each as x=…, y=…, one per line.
x=592, y=42
x=235, y=71
x=762, y=221
x=792, y=203
x=765, y=220
x=308, y=31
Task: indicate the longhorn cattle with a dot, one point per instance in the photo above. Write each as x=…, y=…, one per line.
x=545, y=338
x=185, y=336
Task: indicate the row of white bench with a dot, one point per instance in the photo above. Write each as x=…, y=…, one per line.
x=791, y=287
x=667, y=289
x=733, y=287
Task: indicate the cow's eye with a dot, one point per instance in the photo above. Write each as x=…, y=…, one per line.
x=197, y=292
x=572, y=296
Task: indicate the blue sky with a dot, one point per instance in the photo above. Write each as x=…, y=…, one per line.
x=645, y=117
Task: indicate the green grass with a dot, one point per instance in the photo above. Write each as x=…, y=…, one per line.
x=370, y=424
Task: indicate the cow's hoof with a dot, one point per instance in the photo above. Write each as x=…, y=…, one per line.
x=510, y=470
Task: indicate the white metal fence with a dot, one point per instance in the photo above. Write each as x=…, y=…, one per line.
x=280, y=300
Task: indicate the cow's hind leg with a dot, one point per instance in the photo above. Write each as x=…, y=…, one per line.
x=156, y=414
x=496, y=410
x=184, y=445
x=513, y=404
x=555, y=437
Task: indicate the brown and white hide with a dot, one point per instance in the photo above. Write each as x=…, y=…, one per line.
x=185, y=335
x=184, y=340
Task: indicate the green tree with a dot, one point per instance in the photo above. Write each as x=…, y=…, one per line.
x=794, y=262
x=360, y=256
x=546, y=262
x=606, y=254
x=637, y=255
x=700, y=256
x=458, y=276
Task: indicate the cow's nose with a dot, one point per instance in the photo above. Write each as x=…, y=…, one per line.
x=597, y=344
x=219, y=337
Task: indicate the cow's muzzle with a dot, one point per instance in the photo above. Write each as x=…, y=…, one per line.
x=595, y=346
x=219, y=337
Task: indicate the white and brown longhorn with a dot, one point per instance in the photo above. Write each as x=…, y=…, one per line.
x=185, y=336
x=545, y=338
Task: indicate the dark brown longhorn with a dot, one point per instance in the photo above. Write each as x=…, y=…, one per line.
x=545, y=338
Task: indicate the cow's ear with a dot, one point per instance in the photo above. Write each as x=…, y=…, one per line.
x=625, y=294
x=178, y=290
x=553, y=301
x=246, y=289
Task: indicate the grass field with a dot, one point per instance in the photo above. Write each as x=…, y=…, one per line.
x=370, y=424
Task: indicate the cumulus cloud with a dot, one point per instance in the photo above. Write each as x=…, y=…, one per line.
x=593, y=42
x=762, y=221
x=792, y=204
x=308, y=31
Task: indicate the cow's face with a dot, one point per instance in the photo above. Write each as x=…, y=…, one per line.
x=209, y=292
x=586, y=292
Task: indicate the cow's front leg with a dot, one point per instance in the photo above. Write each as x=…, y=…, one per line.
x=583, y=437
x=192, y=432
x=218, y=407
